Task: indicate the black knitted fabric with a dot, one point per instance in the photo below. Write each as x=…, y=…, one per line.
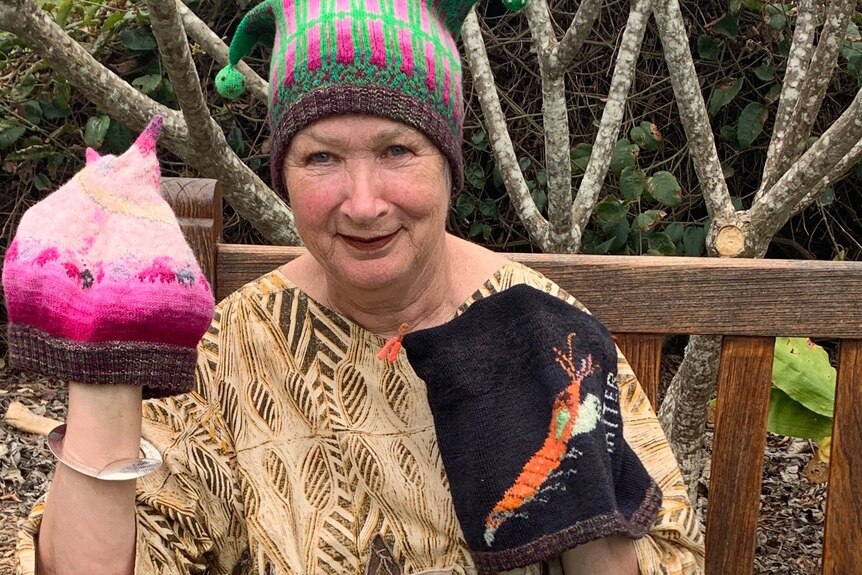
x=523, y=390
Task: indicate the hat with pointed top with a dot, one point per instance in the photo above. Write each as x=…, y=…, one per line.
x=392, y=58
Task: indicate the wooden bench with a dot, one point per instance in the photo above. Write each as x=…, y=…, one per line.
x=643, y=299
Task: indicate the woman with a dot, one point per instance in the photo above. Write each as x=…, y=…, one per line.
x=300, y=450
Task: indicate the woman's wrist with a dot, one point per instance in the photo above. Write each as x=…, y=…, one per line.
x=103, y=424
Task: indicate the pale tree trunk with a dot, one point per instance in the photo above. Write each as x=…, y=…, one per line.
x=191, y=134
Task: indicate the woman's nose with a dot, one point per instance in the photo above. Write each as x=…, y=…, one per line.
x=365, y=201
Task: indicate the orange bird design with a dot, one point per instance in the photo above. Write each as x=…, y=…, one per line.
x=569, y=417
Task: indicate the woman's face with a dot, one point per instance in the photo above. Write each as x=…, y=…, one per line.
x=370, y=197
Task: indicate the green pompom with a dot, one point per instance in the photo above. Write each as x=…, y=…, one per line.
x=514, y=5
x=230, y=83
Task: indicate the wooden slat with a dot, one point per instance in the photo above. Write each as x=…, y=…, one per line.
x=643, y=352
x=665, y=295
x=197, y=203
x=842, y=548
x=744, y=381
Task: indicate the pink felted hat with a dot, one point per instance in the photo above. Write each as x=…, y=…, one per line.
x=101, y=286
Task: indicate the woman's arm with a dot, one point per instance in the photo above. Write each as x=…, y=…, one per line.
x=89, y=524
x=609, y=556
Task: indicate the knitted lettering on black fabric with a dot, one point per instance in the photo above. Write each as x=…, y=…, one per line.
x=100, y=285
x=523, y=391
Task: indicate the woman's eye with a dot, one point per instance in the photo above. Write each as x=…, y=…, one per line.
x=397, y=150
x=319, y=158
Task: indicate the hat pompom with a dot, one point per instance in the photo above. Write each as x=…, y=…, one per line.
x=230, y=83
x=514, y=5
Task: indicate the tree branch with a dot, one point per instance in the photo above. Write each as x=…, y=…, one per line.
x=498, y=134
x=218, y=51
x=823, y=63
x=579, y=29
x=612, y=116
x=555, y=121
x=775, y=206
x=851, y=159
x=797, y=69
x=251, y=198
x=692, y=110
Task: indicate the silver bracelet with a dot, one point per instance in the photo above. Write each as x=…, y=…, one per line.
x=123, y=469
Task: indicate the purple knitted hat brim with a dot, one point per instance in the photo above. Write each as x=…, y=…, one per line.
x=161, y=369
x=372, y=100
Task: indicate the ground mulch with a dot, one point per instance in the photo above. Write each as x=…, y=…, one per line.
x=792, y=508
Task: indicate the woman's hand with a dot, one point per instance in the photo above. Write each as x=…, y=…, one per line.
x=608, y=556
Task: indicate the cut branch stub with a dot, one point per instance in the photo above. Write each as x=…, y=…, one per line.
x=729, y=242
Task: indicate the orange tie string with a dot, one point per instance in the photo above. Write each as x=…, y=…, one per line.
x=390, y=349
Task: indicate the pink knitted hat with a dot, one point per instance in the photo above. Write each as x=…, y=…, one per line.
x=101, y=286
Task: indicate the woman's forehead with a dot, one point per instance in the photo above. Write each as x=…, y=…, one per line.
x=361, y=129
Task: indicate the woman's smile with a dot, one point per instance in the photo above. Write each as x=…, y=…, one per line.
x=370, y=243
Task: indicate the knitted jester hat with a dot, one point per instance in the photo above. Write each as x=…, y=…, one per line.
x=100, y=285
x=392, y=58
x=522, y=387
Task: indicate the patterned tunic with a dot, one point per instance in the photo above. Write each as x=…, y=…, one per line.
x=300, y=452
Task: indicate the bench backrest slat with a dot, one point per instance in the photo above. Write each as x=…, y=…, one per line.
x=643, y=352
x=744, y=380
x=642, y=299
x=842, y=548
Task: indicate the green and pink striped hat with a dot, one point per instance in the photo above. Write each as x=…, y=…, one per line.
x=392, y=58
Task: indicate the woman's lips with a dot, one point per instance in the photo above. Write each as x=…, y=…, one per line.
x=369, y=244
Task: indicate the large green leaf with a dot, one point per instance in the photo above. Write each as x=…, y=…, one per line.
x=97, y=127
x=750, y=124
x=801, y=369
x=632, y=183
x=624, y=156
x=694, y=240
x=610, y=211
x=707, y=48
x=580, y=155
x=723, y=94
x=663, y=187
x=789, y=417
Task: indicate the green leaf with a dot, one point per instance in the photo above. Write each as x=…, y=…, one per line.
x=94, y=133
x=476, y=229
x=610, y=211
x=62, y=14
x=646, y=136
x=723, y=94
x=524, y=163
x=826, y=197
x=23, y=88
x=479, y=141
x=737, y=202
x=675, y=230
x=751, y=123
x=147, y=84
x=727, y=26
x=694, y=241
x=753, y=5
x=580, y=155
x=765, y=72
x=624, y=155
x=735, y=5
x=777, y=19
x=663, y=187
x=112, y=20
x=788, y=417
x=728, y=133
x=117, y=139
x=661, y=243
x=707, y=48
x=475, y=176
x=235, y=140
x=41, y=182
x=773, y=94
x=51, y=111
x=632, y=183
x=489, y=209
x=138, y=39
x=540, y=197
x=10, y=135
x=620, y=234
x=32, y=112
x=648, y=220
x=465, y=205
x=801, y=369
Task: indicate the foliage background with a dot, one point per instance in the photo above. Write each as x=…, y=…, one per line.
x=740, y=50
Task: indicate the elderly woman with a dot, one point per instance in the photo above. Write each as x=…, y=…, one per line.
x=396, y=400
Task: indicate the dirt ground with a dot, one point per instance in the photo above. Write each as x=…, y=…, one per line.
x=789, y=536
